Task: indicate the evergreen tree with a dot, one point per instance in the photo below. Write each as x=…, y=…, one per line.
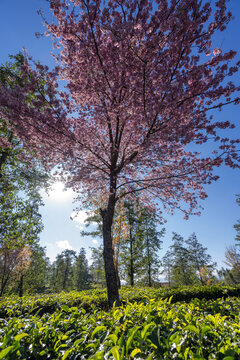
x=182, y=270
x=97, y=267
x=150, y=238
x=36, y=276
x=81, y=275
x=167, y=264
x=131, y=247
x=62, y=273
x=187, y=262
x=232, y=259
x=200, y=259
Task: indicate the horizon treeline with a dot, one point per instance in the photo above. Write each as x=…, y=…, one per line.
x=186, y=262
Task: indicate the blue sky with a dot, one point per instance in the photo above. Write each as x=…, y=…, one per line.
x=19, y=22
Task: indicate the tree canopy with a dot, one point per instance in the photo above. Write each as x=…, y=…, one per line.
x=141, y=79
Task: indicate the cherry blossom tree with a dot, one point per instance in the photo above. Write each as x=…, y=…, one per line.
x=141, y=80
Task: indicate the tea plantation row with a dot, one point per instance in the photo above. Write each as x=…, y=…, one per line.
x=151, y=329
x=92, y=299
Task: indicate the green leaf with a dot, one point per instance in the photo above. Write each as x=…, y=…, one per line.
x=192, y=328
x=131, y=336
x=98, y=356
x=145, y=329
x=113, y=338
x=97, y=329
x=5, y=352
x=20, y=336
x=135, y=352
x=68, y=352
x=205, y=329
x=150, y=357
x=65, y=308
x=115, y=352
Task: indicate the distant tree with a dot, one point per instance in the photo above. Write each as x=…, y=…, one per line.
x=97, y=267
x=22, y=266
x=232, y=259
x=201, y=261
x=182, y=271
x=14, y=263
x=187, y=262
x=167, y=265
x=20, y=226
x=151, y=243
x=36, y=278
x=135, y=239
x=62, y=273
x=81, y=275
x=131, y=247
x=237, y=225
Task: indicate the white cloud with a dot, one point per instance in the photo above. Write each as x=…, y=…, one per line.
x=79, y=216
x=79, y=226
x=95, y=241
x=64, y=244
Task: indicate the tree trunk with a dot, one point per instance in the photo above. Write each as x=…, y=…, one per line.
x=108, y=253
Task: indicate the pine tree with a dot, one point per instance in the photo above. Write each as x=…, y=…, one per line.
x=62, y=273
x=187, y=262
x=150, y=237
x=200, y=259
x=36, y=279
x=182, y=272
x=131, y=247
x=81, y=275
x=97, y=267
x=232, y=259
x=167, y=264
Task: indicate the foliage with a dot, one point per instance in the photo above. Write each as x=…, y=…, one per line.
x=131, y=245
x=92, y=299
x=81, y=275
x=97, y=267
x=232, y=257
x=21, y=177
x=151, y=239
x=140, y=85
x=237, y=225
x=156, y=329
x=69, y=271
x=187, y=262
x=62, y=274
x=36, y=277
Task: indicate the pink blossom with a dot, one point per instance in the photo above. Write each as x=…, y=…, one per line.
x=217, y=51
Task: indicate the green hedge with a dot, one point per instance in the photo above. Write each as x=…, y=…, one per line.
x=92, y=299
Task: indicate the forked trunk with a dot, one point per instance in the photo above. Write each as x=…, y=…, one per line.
x=108, y=254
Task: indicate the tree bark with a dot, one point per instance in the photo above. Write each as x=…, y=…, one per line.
x=108, y=253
